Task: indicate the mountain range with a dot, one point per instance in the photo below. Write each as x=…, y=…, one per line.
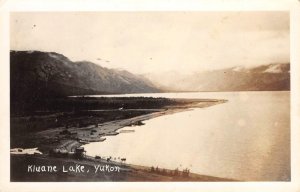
x=271, y=77
x=36, y=74
x=48, y=74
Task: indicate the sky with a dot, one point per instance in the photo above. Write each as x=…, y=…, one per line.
x=149, y=42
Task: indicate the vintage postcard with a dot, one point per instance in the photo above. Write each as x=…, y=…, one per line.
x=168, y=96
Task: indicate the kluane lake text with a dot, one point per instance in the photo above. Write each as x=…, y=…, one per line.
x=76, y=168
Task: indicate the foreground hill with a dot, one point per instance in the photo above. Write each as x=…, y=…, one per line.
x=47, y=74
x=272, y=77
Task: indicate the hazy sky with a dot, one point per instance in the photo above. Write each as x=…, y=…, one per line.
x=143, y=42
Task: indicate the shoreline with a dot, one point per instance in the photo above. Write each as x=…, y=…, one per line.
x=93, y=133
x=64, y=141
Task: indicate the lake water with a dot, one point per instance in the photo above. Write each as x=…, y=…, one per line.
x=247, y=138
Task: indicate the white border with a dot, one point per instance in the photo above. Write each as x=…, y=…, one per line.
x=293, y=6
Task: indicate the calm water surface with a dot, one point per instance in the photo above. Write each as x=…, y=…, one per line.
x=247, y=138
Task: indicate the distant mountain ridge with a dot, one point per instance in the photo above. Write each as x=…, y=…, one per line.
x=47, y=74
x=272, y=77
x=36, y=74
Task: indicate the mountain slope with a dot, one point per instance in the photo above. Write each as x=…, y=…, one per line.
x=272, y=77
x=47, y=74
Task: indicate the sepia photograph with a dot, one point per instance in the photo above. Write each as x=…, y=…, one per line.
x=168, y=96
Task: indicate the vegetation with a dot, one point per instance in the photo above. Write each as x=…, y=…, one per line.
x=46, y=106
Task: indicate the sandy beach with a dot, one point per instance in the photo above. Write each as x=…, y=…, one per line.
x=74, y=136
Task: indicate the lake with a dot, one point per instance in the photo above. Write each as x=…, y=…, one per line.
x=247, y=138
